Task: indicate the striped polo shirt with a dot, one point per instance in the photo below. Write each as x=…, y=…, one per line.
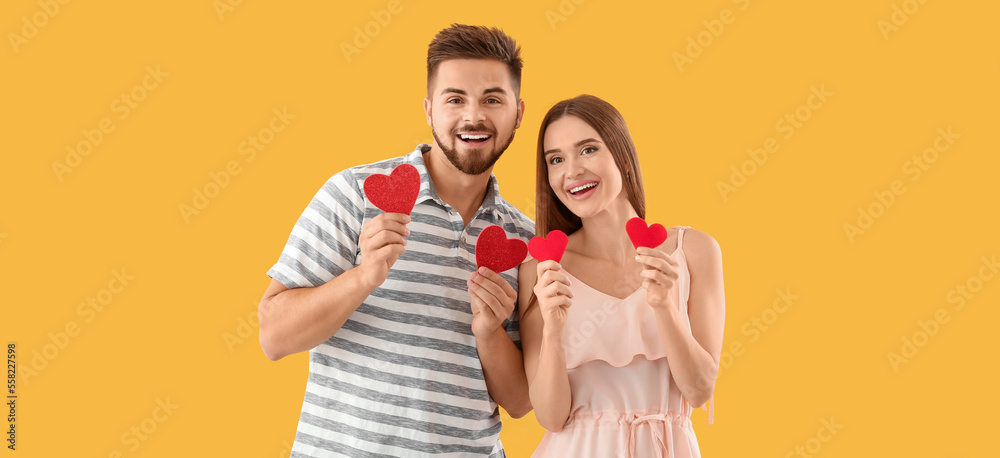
x=402, y=377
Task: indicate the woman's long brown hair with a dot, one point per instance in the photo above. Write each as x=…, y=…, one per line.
x=550, y=213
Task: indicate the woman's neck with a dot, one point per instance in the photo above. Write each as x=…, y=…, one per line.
x=603, y=235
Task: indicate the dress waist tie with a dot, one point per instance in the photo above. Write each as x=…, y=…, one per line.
x=655, y=420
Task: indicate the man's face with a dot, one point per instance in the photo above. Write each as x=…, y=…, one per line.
x=473, y=112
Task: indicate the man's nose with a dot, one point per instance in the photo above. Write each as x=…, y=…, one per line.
x=473, y=114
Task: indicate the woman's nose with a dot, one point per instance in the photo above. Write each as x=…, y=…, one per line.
x=574, y=167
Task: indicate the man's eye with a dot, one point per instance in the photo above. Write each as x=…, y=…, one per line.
x=453, y=101
x=492, y=101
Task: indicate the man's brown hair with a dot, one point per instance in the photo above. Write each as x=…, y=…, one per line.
x=462, y=41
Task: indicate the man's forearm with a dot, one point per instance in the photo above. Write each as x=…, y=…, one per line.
x=503, y=368
x=299, y=319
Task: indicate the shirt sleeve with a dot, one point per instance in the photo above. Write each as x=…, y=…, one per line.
x=324, y=242
x=524, y=231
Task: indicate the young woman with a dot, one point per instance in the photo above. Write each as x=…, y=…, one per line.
x=619, y=343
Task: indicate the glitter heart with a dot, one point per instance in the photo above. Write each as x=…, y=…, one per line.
x=498, y=253
x=396, y=192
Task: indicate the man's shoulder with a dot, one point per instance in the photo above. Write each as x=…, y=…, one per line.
x=384, y=166
x=524, y=225
x=357, y=174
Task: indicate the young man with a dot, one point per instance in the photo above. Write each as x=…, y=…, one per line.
x=411, y=349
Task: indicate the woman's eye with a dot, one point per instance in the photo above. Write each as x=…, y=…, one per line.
x=588, y=150
x=555, y=160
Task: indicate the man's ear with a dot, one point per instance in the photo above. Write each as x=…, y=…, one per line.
x=520, y=112
x=427, y=110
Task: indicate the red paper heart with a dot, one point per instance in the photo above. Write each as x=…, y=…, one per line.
x=641, y=235
x=495, y=251
x=551, y=248
x=396, y=192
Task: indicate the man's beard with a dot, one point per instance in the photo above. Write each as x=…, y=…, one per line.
x=474, y=163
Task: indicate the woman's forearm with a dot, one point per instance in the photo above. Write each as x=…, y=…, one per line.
x=549, y=390
x=692, y=367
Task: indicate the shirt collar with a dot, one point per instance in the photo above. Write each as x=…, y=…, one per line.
x=427, y=190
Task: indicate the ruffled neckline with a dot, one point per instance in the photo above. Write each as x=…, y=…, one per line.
x=612, y=329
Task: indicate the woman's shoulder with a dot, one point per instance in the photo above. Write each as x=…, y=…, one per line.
x=700, y=247
x=695, y=238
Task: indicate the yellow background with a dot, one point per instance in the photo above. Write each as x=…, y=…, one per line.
x=164, y=336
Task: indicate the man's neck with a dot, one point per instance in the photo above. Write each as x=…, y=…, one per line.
x=465, y=193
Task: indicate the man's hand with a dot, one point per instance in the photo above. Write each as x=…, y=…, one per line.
x=492, y=301
x=382, y=241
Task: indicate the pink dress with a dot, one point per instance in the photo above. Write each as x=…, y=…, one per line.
x=625, y=402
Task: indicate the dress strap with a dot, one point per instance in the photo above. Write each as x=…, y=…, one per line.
x=711, y=408
x=680, y=235
x=684, y=283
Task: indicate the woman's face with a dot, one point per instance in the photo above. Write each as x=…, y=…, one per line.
x=581, y=169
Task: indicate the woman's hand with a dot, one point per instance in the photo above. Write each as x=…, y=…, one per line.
x=553, y=294
x=659, y=277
